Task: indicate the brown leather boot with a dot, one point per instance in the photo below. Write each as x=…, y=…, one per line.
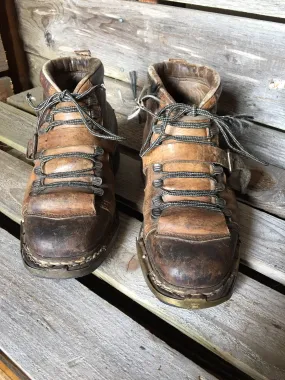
x=69, y=209
x=188, y=245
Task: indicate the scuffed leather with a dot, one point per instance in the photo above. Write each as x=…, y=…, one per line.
x=188, y=247
x=67, y=222
x=195, y=264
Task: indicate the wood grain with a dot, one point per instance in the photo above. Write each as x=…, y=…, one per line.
x=266, y=189
x=10, y=369
x=6, y=88
x=6, y=373
x=129, y=36
x=3, y=59
x=248, y=331
x=62, y=330
x=274, y=8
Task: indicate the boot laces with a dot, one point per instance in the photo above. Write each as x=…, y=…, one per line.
x=171, y=115
x=92, y=125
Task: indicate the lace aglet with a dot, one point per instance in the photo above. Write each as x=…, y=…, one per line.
x=134, y=114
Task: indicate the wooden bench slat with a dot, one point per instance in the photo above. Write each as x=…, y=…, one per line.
x=130, y=35
x=267, y=187
x=248, y=331
x=62, y=330
x=258, y=7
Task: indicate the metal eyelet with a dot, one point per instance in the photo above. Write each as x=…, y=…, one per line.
x=155, y=212
x=157, y=168
x=99, y=150
x=38, y=170
x=220, y=187
x=217, y=169
x=98, y=165
x=221, y=203
x=227, y=212
x=157, y=183
x=156, y=201
x=97, y=181
x=100, y=193
x=214, y=130
x=156, y=129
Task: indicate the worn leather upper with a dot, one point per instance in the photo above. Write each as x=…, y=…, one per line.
x=188, y=247
x=68, y=221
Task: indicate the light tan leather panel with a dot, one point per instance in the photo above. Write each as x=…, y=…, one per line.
x=74, y=136
x=192, y=222
x=185, y=151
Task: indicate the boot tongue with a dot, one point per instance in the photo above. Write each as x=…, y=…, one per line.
x=74, y=74
x=181, y=82
x=191, y=91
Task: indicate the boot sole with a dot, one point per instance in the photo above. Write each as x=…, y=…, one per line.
x=225, y=289
x=71, y=270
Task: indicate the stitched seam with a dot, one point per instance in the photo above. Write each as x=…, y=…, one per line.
x=61, y=215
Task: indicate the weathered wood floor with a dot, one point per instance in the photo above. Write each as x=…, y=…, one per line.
x=248, y=331
x=62, y=330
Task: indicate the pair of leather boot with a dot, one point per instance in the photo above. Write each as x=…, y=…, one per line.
x=188, y=244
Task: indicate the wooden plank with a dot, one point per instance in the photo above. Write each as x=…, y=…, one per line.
x=130, y=35
x=3, y=59
x=259, y=7
x=248, y=331
x=267, y=187
x=6, y=88
x=62, y=330
x=18, y=67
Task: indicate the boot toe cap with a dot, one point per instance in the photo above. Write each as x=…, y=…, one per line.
x=191, y=264
x=59, y=239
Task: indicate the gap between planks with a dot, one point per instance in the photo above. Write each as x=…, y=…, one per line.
x=274, y=9
x=248, y=331
x=62, y=330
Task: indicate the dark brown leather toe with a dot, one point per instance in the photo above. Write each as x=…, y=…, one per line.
x=190, y=264
x=65, y=238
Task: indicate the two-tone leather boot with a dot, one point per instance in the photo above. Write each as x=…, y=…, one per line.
x=189, y=242
x=69, y=210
